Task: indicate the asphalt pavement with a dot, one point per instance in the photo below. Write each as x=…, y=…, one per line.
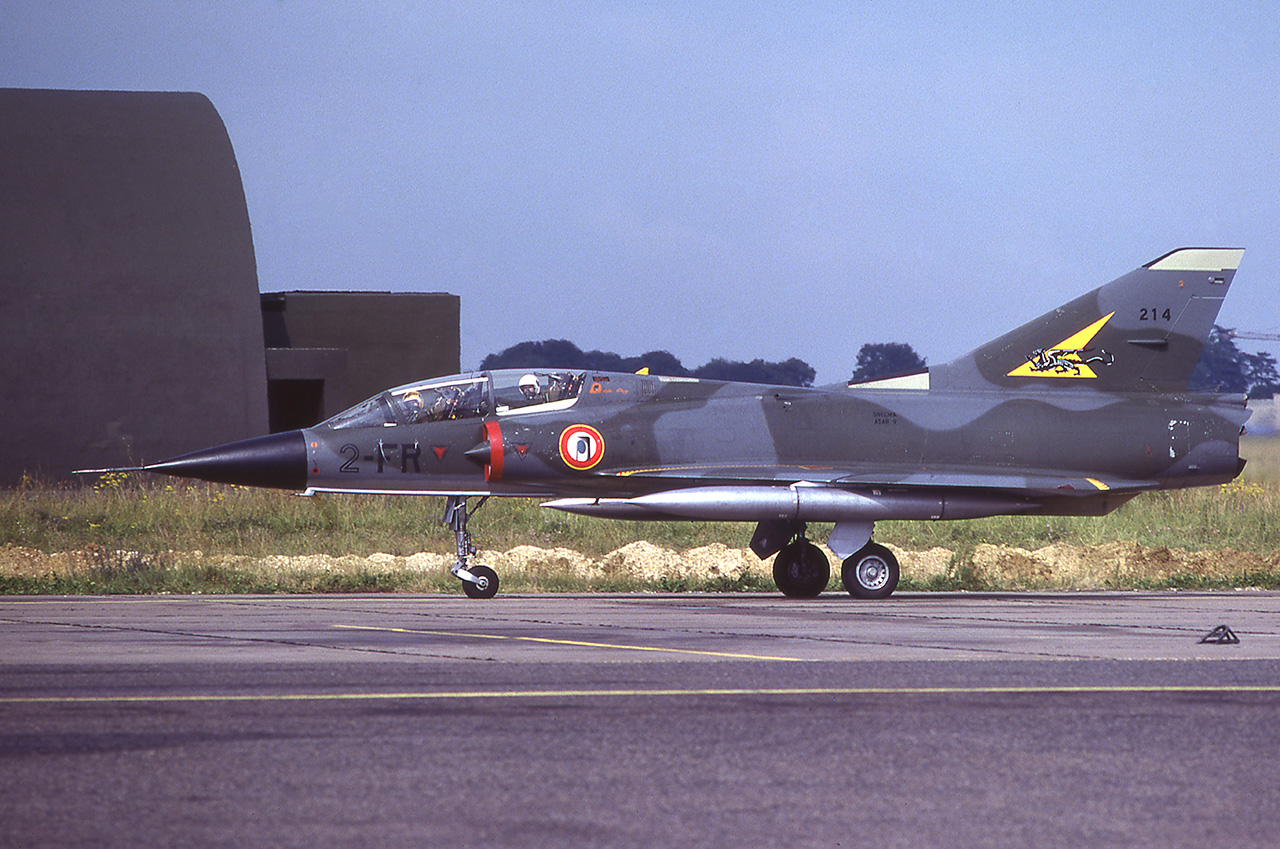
x=1077, y=719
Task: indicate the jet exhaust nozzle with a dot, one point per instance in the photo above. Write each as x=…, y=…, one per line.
x=277, y=461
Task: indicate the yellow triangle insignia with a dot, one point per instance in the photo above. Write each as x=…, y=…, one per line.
x=1063, y=359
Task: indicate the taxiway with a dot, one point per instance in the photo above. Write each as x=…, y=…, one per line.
x=640, y=720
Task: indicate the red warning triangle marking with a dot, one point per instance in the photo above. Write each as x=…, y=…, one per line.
x=439, y=451
x=522, y=449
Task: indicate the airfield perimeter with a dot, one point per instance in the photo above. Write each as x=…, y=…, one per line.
x=640, y=720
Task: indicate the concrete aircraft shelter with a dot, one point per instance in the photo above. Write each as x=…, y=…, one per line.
x=129, y=299
x=128, y=288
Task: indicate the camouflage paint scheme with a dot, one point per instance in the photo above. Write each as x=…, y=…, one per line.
x=1073, y=413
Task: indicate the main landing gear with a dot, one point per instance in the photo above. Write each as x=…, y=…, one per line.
x=870, y=572
x=477, y=581
x=801, y=570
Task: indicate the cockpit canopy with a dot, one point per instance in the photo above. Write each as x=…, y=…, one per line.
x=465, y=396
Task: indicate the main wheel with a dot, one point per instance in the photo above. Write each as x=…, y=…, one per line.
x=486, y=587
x=871, y=572
x=801, y=570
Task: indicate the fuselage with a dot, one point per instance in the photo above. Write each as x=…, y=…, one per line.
x=614, y=435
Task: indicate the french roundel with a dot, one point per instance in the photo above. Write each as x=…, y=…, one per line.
x=581, y=446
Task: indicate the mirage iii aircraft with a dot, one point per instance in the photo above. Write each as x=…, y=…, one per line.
x=1073, y=413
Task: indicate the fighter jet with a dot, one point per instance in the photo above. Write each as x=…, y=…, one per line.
x=1073, y=413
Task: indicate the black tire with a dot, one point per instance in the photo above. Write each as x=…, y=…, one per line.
x=871, y=572
x=488, y=586
x=801, y=570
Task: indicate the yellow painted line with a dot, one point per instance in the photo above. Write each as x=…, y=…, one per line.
x=1152, y=689
x=583, y=643
x=1099, y=484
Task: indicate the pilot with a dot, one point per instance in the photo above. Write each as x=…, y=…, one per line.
x=439, y=408
x=413, y=406
x=558, y=389
x=530, y=388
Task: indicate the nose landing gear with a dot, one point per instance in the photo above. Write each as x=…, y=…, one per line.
x=477, y=581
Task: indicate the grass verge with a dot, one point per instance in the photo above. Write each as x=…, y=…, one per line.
x=140, y=534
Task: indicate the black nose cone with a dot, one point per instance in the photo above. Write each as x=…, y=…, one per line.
x=278, y=461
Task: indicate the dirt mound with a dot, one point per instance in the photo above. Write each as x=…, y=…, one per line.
x=923, y=565
x=1113, y=564
x=1057, y=566
x=538, y=563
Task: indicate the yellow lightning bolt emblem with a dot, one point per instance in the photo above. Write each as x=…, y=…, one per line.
x=1063, y=359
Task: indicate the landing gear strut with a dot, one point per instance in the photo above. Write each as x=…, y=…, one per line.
x=477, y=581
x=801, y=570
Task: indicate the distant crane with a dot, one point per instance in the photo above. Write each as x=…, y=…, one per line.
x=1248, y=334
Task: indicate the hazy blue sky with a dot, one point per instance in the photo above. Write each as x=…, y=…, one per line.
x=718, y=179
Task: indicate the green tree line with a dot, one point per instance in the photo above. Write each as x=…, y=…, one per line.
x=1225, y=368
x=1222, y=367
x=561, y=353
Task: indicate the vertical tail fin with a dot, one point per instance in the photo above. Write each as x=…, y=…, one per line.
x=1142, y=332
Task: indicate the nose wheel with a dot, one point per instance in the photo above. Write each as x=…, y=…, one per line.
x=477, y=581
x=485, y=585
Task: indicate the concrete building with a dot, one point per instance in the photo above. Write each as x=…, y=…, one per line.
x=130, y=310
x=327, y=351
x=1265, y=420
